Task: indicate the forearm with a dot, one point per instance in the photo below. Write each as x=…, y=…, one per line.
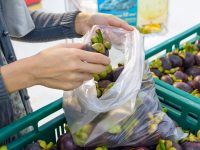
x=49, y=27
x=18, y=75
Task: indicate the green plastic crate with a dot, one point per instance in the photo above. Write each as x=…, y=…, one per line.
x=51, y=130
x=187, y=104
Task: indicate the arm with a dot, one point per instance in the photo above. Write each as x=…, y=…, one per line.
x=49, y=27
x=60, y=67
x=69, y=25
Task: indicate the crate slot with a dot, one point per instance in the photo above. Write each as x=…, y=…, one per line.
x=191, y=117
x=189, y=38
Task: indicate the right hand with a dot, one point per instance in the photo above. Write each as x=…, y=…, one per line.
x=66, y=66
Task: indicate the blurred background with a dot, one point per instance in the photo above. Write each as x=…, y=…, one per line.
x=182, y=14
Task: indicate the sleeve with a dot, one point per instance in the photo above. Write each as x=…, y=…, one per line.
x=51, y=27
x=4, y=95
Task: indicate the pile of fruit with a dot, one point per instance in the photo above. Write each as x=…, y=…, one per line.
x=65, y=142
x=106, y=79
x=180, y=68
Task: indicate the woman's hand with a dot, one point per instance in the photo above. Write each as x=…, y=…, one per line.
x=84, y=22
x=61, y=67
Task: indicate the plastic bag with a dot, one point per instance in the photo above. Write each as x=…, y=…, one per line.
x=129, y=113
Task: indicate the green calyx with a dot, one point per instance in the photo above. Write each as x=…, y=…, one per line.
x=100, y=36
x=96, y=77
x=115, y=129
x=4, y=147
x=101, y=148
x=107, y=45
x=99, y=47
x=94, y=39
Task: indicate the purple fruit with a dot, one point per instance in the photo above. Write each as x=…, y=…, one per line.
x=117, y=72
x=197, y=43
x=181, y=76
x=191, y=146
x=191, y=83
x=104, y=83
x=33, y=146
x=65, y=141
x=156, y=72
x=166, y=64
x=183, y=86
x=109, y=76
x=89, y=48
x=106, y=53
x=188, y=60
x=176, y=61
x=194, y=71
x=142, y=148
x=197, y=58
x=177, y=146
x=167, y=79
x=196, y=82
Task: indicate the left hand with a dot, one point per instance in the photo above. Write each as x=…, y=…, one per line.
x=84, y=22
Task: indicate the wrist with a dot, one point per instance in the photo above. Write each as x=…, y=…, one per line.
x=81, y=22
x=18, y=75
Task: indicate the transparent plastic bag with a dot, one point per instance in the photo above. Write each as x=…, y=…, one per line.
x=128, y=114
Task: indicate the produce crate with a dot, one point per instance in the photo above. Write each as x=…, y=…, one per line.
x=191, y=114
x=185, y=115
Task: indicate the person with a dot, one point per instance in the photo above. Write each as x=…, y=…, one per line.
x=60, y=67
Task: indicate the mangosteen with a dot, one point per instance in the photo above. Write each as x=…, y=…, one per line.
x=193, y=71
x=166, y=64
x=167, y=79
x=190, y=145
x=176, y=61
x=196, y=82
x=156, y=72
x=197, y=58
x=41, y=145
x=189, y=47
x=104, y=83
x=197, y=43
x=65, y=142
x=188, y=59
x=183, y=86
x=117, y=72
x=89, y=48
x=181, y=76
x=191, y=83
x=141, y=148
x=33, y=146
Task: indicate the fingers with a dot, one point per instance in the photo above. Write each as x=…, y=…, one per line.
x=92, y=68
x=74, y=45
x=79, y=76
x=62, y=85
x=114, y=21
x=95, y=58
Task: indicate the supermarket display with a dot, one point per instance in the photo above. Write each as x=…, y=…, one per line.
x=180, y=68
x=122, y=109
